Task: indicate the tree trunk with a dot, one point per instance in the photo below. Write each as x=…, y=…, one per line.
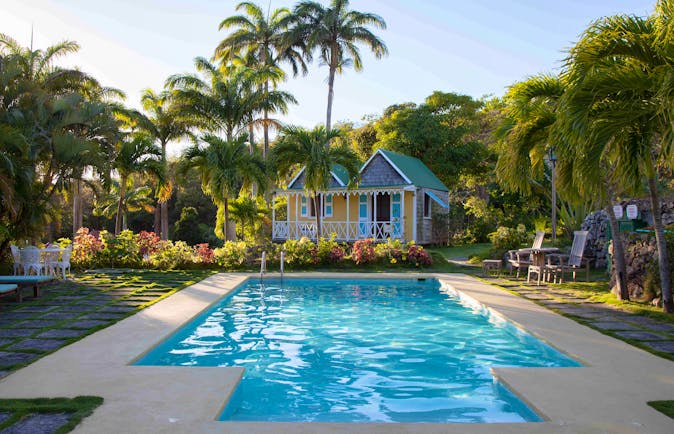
x=265, y=126
x=164, y=205
x=318, y=208
x=77, y=207
x=618, y=254
x=253, y=186
x=663, y=257
x=120, y=205
x=331, y=86
x=157, y=218
x=226, y=219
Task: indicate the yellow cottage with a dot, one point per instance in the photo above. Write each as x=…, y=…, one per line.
x=397, y=198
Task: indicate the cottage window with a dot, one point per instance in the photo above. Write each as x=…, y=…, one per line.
x=427, y=206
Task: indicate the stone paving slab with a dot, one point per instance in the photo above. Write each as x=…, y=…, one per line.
x=42, y=423
x=86, y=324
x=36, y=308
x=60, y=315
x=614, y=325
x=15, y=333
x=37, y=323
x=76, y=308
x=61, y=333
x=5, y=322
x=642, y=336
x=537, y=296
x=37, y=344
x=664, y=346
x=4, y=416
x=117, y=308
x=660, y=327
x=5, y=341
x=18, y=315
x=103, y=315
x=13, y=358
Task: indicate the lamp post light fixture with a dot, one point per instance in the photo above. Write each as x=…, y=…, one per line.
x=552, y=157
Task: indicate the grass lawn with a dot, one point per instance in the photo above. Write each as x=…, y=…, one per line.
x=665, y=407
x=466, y=251
x=75, y=409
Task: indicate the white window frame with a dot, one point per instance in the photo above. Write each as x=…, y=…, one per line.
x=428, y=211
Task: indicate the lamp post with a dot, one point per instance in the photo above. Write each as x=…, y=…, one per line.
x=552, y=157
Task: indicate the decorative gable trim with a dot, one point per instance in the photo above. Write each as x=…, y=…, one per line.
x=297, y=176
x=388, y=160
x=339, y=181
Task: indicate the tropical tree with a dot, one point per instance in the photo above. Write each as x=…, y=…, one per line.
x=225, y=100
x=247, y=211
x=137, y=198
x=135, y=156
x=225, y=167
x=312, y=150
x=529, y=133
x=165, y=122
x=263, y=42
x=335, y=32
x=616, y=73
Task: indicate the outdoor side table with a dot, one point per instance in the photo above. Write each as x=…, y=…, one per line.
x=491, y=266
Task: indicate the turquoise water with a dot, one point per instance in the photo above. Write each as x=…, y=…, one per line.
x=359, y=351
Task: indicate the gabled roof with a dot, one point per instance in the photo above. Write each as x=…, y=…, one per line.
x=338, y=173
x=410, y=168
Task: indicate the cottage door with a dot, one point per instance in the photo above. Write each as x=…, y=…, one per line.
x=364, y=230
x=396, y=226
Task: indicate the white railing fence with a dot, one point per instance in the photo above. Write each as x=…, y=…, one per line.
x=344, y=231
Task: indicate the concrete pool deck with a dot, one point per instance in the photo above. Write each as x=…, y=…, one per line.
x=607, y=395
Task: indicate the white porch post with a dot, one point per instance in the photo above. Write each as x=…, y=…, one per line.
x=414, y=216
x=403, y=236
x=348, y=226
x=374, y=214
x=296, y=216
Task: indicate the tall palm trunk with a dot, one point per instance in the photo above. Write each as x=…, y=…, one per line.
x=225, y=213
x=120, y=205
x=77, y=206
x=663, y=257
x=251, y=128
x=618, y=252
x=331, y=85
x=157, y=219
x=164, y=205
x=265, y=126
x=318, y=208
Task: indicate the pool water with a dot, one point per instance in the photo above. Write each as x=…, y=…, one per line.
x=359, y=351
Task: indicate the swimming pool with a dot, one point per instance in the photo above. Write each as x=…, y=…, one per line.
x=359, y=351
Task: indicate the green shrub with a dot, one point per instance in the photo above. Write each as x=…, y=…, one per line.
x=330, y=251
x=505, y=239
x=300, y=253
x=173, y=255
x=232, y=255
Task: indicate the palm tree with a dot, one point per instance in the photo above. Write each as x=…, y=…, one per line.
x=135, y=199
x=136, y=156
x=528, y=132
x=335, y=32
x=263, y=42
x=246, y=210
x=297, y=147
x=616, y=75
x=225, y=167
x=165, y=122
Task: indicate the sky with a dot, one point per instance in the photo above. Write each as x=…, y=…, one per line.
x=473, y=47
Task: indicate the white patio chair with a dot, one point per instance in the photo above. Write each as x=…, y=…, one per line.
x=16, y=255
x=64, y=263
x=30, y=259
x=50, y=257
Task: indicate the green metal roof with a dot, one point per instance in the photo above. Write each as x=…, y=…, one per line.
x=340, y=172
x=415, y=170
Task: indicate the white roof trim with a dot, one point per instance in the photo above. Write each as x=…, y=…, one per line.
x=339, y=181
x=290, y=184
x=400, y=172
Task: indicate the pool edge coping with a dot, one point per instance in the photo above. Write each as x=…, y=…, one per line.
x=80, y=372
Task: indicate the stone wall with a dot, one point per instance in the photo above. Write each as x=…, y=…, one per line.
x=596, y=245
x=640, y=253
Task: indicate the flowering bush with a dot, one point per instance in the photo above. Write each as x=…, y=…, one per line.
x=86, y=247
x=232, y=255
x=330, y=251
x=393, y=251
x=508, y=238
x=148, y=243
x=417, y=256
x=364, y=252
x=205, y=255
x=119, y=251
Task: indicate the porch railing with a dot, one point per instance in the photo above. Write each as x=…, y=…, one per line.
x=344, y=231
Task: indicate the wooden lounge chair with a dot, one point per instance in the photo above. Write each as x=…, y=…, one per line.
x=7, y=289
x=27, y=281
x=558, y=264
x=521, y=259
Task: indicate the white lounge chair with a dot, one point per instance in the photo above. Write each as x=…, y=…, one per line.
x=521, y=259
x=64, y=263
x=16, y=255
x=559, y=264
x=30, y=259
